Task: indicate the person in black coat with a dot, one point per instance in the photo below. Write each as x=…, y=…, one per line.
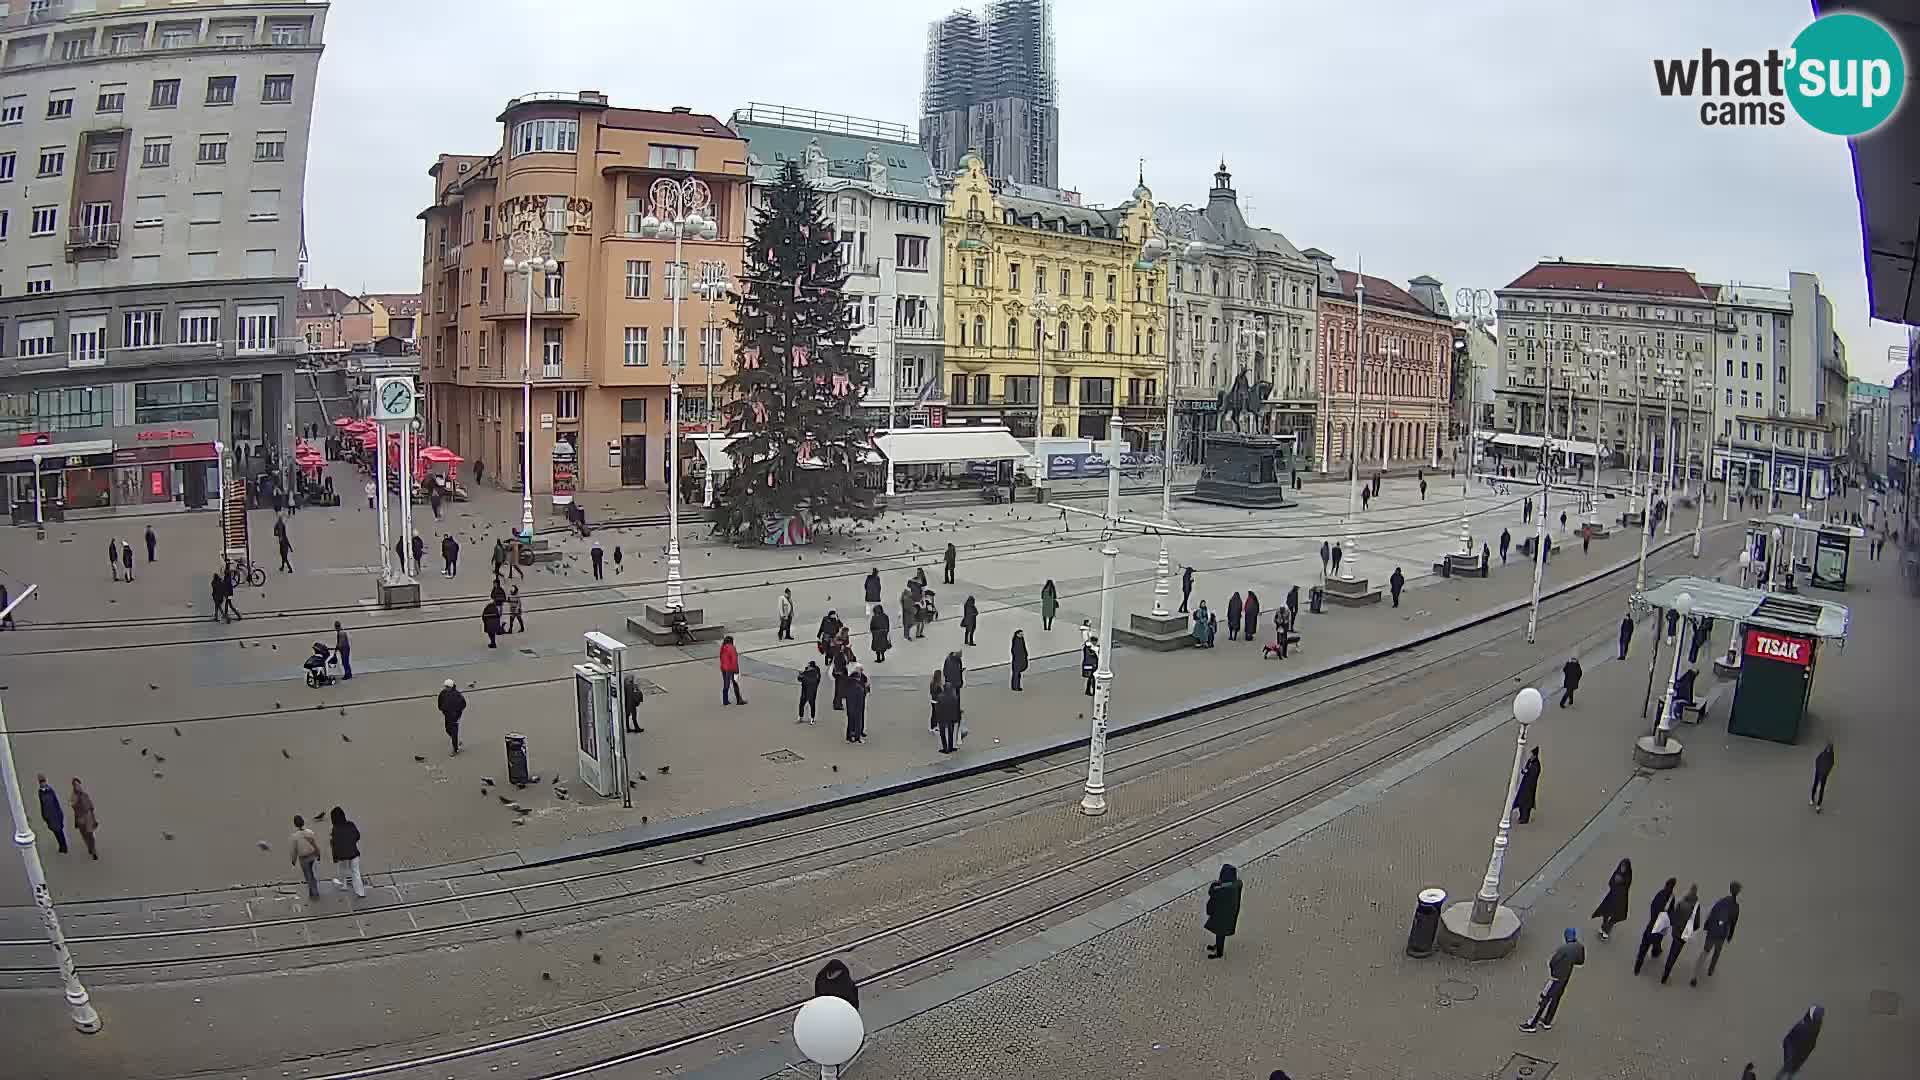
x=1614, y=906
x=153, y=543
x=1234, y=606
x=879, y=627
x=1250, y=616
x=52, y=813
x=829, y=627
x=1570, y=673
x=1822, y=767
x=1019, y=658
x=1529, y=789
x=969, y=619
x=1799, y=1042
x=952, y=559
x=946, y=717
x=419, y=552
x=449, y=555
x=809, y=679
x=1186, y=587
x=1395, y=584
x=1702, y=629
x=1686, y=915
x=1722, y=919
x=490, y=623
x=345, y=843
x=1293, y=606
x=1337, y=551
x=1223, y=909
x=1326, y=553
x=453, y=704
x=834, y=980
x=1089, y=663
x=1673, y=624
x=953, y=671
x=838, y=658
x=1652, y=935
x=873, y=586
x=1506, y=541
x=856, y=694
x=1626, y=634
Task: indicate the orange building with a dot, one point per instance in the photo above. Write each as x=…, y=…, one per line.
x=573, y=175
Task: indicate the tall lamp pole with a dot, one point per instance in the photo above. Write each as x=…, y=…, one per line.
x=1094, y=802
x=1540, y=521
x=529, y=250
x=1353, y=425
x=79, y=1005
x=712, y=286
x=677, y=209
x=1526, y=709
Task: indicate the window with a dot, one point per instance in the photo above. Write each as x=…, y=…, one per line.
x=1013, y=276
x=4, y=215
x=980, y=331
x=86, y=340
x=1020, y=389
x=710, y=337
x=1109, y=337
x=270, y=146
x=1113, y=289
x=123, y=44
x=39, y=279
x=103, y=158
x=554, y=217
x=633, y=347
x=6, y=166
x=259, y=325
x=220, y=90
x=551, y=340
x=633, y=410
x=639, y=279
x=546, y=137
x=166, y=93
x=259, y=262
x=670, y=157
x=53, y=161
x=910, y=252
x=1013, y=333
x=1062, y=390
x=199, y=326
x=185, y=399
x=178, y=38
x=287, y=33
x=46, y=219
x=485, y=277
x=1039, y=279
x=112, y=99
x=566, y=404
x=13, y=109
x=156, y=152
x=263, y=204
x=142, y=329
x=60, y=105
x=276, y=89
x=1086, y=337
x=1086, y=285
x=213, y=150
x=1096, y=391
x=35, y=337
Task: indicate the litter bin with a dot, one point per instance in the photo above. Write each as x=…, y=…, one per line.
x=1426, y=922
x=1446, y=567
x=1314, y=597
x=517, y=772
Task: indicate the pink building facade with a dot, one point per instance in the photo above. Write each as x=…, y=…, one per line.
x=1403, y=397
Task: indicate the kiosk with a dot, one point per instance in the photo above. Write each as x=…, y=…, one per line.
x=599, y=704
x=1829, y=549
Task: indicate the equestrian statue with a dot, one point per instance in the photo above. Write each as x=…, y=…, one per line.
x=1243, y=404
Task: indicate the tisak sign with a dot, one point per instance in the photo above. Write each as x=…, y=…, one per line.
x=1784, y=648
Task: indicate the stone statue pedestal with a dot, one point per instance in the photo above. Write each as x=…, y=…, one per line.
x=1247, y=471
x=1159, y=633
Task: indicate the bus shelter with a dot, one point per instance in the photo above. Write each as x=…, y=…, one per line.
x=1820, y=550
x=1776, y=639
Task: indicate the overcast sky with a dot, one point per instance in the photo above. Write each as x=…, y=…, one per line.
x=1462, y=140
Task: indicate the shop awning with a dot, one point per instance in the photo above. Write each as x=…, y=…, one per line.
x=1796, y=523
x=1774, y=611
x=51, y=452
x=1574, y=447
x=933, y=446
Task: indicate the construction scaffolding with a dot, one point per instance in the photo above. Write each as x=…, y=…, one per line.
x=990, y=87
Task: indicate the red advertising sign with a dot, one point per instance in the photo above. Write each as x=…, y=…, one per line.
x=1785, y=648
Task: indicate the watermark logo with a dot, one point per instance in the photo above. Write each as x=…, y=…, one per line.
x=1844, y=75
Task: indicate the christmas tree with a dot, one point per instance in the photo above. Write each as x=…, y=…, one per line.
x=793, y=405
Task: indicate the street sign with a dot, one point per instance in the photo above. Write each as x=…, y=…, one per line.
x=393, y=398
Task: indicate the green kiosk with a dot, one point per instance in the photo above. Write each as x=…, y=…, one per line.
x=1819, y=550
x=1773, y=649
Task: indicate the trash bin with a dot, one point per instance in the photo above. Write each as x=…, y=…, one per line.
x=1426, y=922
x=517, y=772
x=1446, y=567
x=1314, y=598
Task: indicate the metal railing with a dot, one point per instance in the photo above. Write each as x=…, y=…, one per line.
x=759, y=112
x=513, y=307
x=99, y=235
x=908, y=332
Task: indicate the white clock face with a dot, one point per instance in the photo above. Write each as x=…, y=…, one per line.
x=396, y=396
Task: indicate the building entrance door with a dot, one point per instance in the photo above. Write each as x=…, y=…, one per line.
x=633, y=460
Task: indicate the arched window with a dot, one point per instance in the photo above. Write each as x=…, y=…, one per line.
x=1039, y=335
x=1150, y=343
x=980, y=331
x=1213, y=374
x=973, y=203
x=1065, y=337
x=1013, y=333
x=963, y=332
x=1086, y=337
x=1109, y=337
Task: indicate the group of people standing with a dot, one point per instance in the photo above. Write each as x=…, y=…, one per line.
x=85, y=820
x=120, y=555
x=1243, y=619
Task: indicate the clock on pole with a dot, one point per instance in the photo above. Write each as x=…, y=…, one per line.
x=394, y=398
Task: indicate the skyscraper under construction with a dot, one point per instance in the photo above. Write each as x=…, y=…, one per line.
x=990, y=87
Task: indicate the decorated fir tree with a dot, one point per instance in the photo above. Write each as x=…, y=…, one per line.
x=793, y=401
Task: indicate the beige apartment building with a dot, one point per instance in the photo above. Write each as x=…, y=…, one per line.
x=575, y=177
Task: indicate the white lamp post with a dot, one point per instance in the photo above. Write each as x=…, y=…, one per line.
x=1733, y=635
x=1094, y=802
x=678, y=209
x=829, y=1031
x=1526, y=709
x=712, y=286
x=1664, y=726
x=529, y=250
x=1540, y=521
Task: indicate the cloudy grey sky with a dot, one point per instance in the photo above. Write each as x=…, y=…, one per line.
x=1462, y=140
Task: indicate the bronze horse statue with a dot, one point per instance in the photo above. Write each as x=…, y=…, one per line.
x=1243, y=404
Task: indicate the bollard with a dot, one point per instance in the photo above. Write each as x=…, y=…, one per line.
x=1426, y=922
x=1315, y=596
x=517, y=772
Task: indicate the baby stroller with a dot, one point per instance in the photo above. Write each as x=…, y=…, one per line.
x=928, y=611
x=316, y=665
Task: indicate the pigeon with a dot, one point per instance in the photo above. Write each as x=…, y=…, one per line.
x=263, y=845
x=153, y=686
x=126, y=742
x=344, y=737
x=419, y=757
x=286, y=755
x=143, y=751
x=176, y=733
x=159, y=760
x=166, y=834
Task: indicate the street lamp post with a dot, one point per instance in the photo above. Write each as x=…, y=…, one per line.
x=677, y=209
x=79, y=1005
x=1663, y=726
x=1353, y=425
x=1043, y=310
x=1526, y=709
x=529, y=250
x=829, y=1031
x=712, y=286
x=1540, y=522
x=1094, y=802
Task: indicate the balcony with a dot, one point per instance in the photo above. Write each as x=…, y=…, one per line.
x=544, y=307
x=100, y=237
x=1144, y=401
x=906, y=332
x=861, y=269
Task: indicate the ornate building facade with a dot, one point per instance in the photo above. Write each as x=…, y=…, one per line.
x=1403, y=344
x=1042, y=295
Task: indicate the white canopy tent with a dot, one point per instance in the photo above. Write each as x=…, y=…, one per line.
x=949, y=445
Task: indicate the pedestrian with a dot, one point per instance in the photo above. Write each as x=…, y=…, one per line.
x=1018, y=663
x=1049, y=604
x=1529, y=788
x=517, y=611
x=1213, y=629
x=1234, y=608
x=1563, y=521
x=85, y=819
x=907, y=613
x=1686, y=923
x=1722, y=918
x=878, y=626
x=786, y=615
x=969, y=620
x=400, y=553
x=1506, y=541
x=113, y=557
x=953, y=671
x=6, y=604
x=1326, y=552
x=479, y=471
x=515, y=553
x=946, y=717
x=499, y=557
x=453, y=705
x=935, y=687
x=1486, y=559
x=52, y=814
x=345, y=842
x=1089, y=662
x=1293, y=606
x=498, y=594
x=730, y=672
x=303, y=851
x=857, y=689
x=1396, y=583
x=809, y=679
x=1526, y=511
x=1200, y=618
x=1423, y=491
x=1366, y=498
x=1799, y=1042
x=835, y=980
x=1615, y=905
x=490, y=624
x=343, y=648
x=1699, y=631
x=1626, y=633
x=1336, y=558
x=371, y=490
x=952, y=559
x=1569, y=680
x=617, y=558
x=1571, y=954
x=449, y=555
x=838, y=658
x=873, y=585
x=599, y=557
x=1186, y=588
x=220, y=596
x=1822, y=766
x=1250, y=616
x=1586, y=541
x=1659, y=921
x=1673, y=624
x=153, y=543
x=1223, y=909
x=419, y=553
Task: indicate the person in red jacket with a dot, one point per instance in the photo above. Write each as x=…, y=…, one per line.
x=730, y=673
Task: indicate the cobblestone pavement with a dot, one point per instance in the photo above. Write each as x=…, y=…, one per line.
x=199, y=739
x=1316, y=981
x=667, y=948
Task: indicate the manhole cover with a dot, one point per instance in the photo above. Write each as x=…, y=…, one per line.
x=781, y=756
x=1522, y=1067
x=1452, y=990
x=1883, y=1003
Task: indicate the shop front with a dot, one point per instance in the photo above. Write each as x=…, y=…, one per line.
x=145, y=465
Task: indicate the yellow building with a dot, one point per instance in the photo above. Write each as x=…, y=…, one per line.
x=1041, y=291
